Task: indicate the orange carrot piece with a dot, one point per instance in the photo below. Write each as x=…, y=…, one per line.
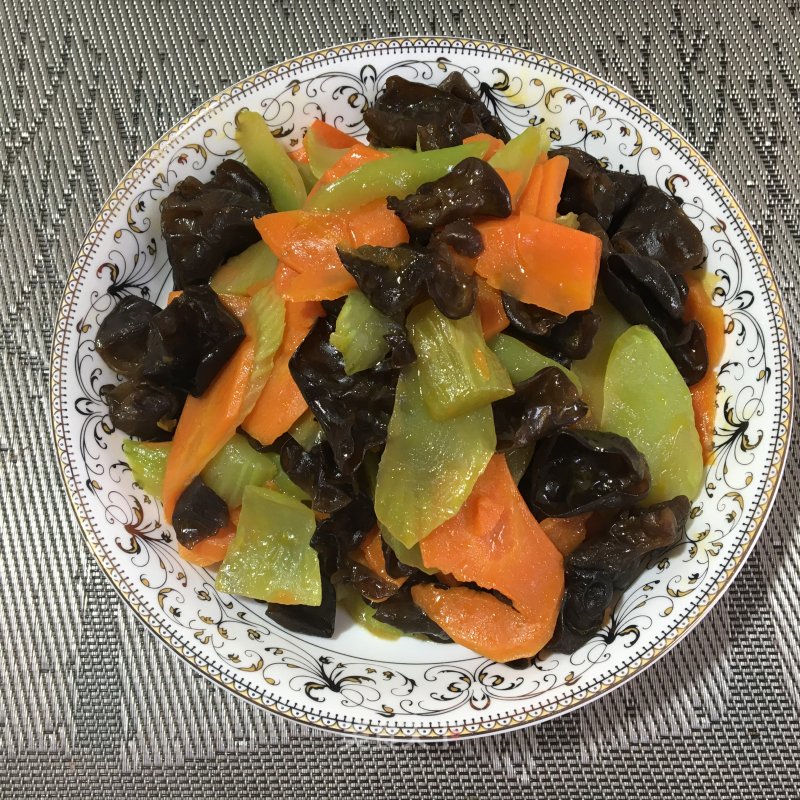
x=513, y=181
x=377, y=225
x=540, y=262
x=495, y=144
x=330, y=136
x=554, y=172
x=235, y=303
x=211, y=550
x=490, y=308
x=300, y=155
x=370, y=555
x=495, y=541
x=356, y=156
x=566, y=534
x=704, y=392
x=529, y=202
x=280, y=403
x=305, y=244
x=207, y=422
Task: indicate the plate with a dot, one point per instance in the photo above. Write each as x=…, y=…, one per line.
x=355, y=683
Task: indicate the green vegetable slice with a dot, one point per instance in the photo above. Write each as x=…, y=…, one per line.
x=321, y=156
x=283, y=483
x=592, y=369
x=235, y=467
x=523, y=362
x=518, y=461
x=270, y=557
x=238, y=274
x=267, y=313
x=521, y=153
x=399, y=175
x=307, y=431
x=647, y=400
x=459, y=372
x=412, y=556
x=359, y=333
x=265, y=155
x=429, y=466
x=147, y=461
x=364, y=614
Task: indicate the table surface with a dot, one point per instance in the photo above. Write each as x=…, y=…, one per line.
x=91, y=705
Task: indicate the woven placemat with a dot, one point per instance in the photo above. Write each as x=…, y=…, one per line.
x=90, y=704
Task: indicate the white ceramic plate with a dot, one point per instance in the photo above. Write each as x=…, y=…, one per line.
x=355, y=683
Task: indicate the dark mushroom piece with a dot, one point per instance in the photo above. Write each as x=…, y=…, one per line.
x=204, y=224
x=121, y=339
x=609, y=561
x=574, y=471
x=656, y=226
x=199, y=513
x=142, y=409
x=191, y=340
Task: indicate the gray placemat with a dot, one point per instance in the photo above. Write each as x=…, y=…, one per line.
x=90, y=704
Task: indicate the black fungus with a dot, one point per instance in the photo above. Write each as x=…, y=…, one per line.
x=456, y=84
x=394, y=279
x=308, y=620
x=401, y=612
x=121, y=339
x=610, y=561
x=199, y=513
x=574, y=471
x=646, y=293
x=204, y=224
x=591, y=189
x=352, y=410
x=341, y=532
x=655, y=225
x=471, y=189
x=408, y=113
x=462, y=236
x=367, y=583
x=401, y=352
x=394, y=567
x=540, y=406
x=588, y=224
x=316, y=473
x=142, y=409
x=391, y=278
x=451, y=289
x=191, y=340
x=588, y=189
x=564, y=338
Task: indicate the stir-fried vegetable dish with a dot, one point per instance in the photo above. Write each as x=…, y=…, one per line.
x=459, y=382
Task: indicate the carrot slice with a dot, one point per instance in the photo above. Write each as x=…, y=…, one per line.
x=211, y=550
x=206, y=423
x=495, y=541
x=375, y=224
x=305, y=244
x=300, y=155
x=494, y=143
x=356, y=156
x=554, y=171
x=512, y=179
x=704, y=392
x=370, y=555
x=330, y=136
x=567, y=533
x=280, y=403
x=492, y=313
x=529, y=202
x=540, y=262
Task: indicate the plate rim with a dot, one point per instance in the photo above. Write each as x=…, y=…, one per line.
x=407, y=733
